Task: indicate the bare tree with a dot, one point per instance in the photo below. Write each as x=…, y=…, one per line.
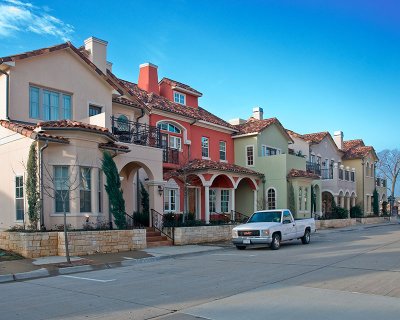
x=61, y=186
x=388, y=166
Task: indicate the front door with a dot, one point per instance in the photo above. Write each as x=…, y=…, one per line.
x=193, y=201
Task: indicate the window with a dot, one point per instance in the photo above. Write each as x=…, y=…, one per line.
x=61, y=181
x=271, y=199
x=319, y=160
x=169, y=127
x=312, y=158
x=85, y=190
x=224, y=200
x=204, y=147
x=340, y=173
x=300, y=198
x=305, y=198
x=222, y=150
x=250, y=155
x=175, y=142
x=170, y=200
x=268, y=151
x=352, y=176
x=94, y=110
x=179, y=98
x=49, y=105
x=212, y=200
x=19, y=198
x=123, y=123
x=100, y=198
x=346, y=175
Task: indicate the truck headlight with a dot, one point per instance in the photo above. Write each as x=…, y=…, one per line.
x=234, y=234
x=265, y=232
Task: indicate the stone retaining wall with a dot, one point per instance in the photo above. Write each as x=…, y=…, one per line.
x=203, y=234
x=43, y=244
x=341, y=223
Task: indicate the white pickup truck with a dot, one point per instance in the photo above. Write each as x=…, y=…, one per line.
x=271, y=227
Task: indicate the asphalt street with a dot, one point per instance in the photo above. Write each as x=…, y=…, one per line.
x=352, y=274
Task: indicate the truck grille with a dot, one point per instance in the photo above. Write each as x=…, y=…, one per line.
x=249, y=233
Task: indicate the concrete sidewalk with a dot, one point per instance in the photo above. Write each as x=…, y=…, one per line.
x=51, y=266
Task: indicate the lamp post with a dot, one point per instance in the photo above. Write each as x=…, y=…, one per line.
x=391, y=200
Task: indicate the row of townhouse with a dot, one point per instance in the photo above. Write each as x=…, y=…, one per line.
x=67, y=101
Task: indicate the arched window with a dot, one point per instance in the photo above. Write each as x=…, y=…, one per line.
x=372, y=170
x=367, y=170
x=271, y=199
x=123, y=123
x=174, y=138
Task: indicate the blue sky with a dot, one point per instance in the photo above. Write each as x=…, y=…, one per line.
x=315, y=65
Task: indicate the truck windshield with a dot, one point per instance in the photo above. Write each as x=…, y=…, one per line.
x=273, y=216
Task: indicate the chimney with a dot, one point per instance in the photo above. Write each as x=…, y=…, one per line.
x=258, y=113
x=236, y=121
x=97, y=52
x=148, y=78
x=338, y=138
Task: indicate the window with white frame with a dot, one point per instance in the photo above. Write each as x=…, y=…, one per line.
x=170, y=200
x=224, y=200
x=305, y=198
x=19, y=198
x=179, y=98
x=212, y=199
x=271, y=199
x=85, y=190
x=250, y=155
x=61, y=186
x=267, y=151
x=300, y=198
x=175, y=142
x=312, y=158
x=94, y=110
x=205, y=147
x=47, y=104
x=222, y=150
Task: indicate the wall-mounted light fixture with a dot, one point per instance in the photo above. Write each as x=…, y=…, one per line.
x=160, y=190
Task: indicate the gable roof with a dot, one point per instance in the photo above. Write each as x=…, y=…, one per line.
x=155, y=101
x=295, y=173
x=316, y=137
x=253, y=125
x=109, y=77
x=182, y=86
x=352, y=143
x=360, y=152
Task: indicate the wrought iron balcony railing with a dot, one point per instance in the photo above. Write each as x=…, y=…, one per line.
x=136, y=133
x=171, y=155
x=313, y=167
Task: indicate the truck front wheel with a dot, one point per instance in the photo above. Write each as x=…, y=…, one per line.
x=240, y=247
x=276, y=241
x=306, y=238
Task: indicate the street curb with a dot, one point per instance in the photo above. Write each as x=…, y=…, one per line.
x=75, y=269
x=131, y=262
x=43, y=272
x=6, y=277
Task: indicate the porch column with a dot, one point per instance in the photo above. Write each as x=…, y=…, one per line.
x=255, y=200
x=95, y=190
x=155, y=197
x=353, y=200
x=336, y=200
x=348, y=203
x=207, y=203
x=233, y=204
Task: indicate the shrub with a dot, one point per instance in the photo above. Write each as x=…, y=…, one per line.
x=340, y=213
x=384, y=208
x=141, y=218
x=356, y=212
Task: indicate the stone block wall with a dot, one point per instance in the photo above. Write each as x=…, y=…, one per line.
x=43, y=244
x=204, y=234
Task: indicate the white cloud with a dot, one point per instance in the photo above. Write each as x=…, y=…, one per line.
x=18, y=16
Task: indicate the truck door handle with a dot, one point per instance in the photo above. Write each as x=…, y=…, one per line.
x=294, y=224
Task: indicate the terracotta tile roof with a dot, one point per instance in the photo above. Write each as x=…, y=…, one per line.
x=294, y=134
x=203, y=165
x=352, y=143
x=255, y=126
x=154, y=101
x=359, y=152
x=29, y=131
x=113, y=146
x=183, y=86
x=315, y=137
x=68, y=124
x=295, y=173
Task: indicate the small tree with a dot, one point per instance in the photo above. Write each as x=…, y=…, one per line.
x=291, y=199
x=388, y=166
x=375, y=204
x=114, y=191
x=144, y=199
x=32, y=187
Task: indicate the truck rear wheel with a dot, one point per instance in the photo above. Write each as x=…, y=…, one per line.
x=240, y=247
x=307, y=237
x=276, y=241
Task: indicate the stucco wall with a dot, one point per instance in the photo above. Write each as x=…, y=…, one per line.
x=59, y=71
x=3, y=96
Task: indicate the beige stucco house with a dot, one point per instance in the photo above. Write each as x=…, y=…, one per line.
x=67, y=102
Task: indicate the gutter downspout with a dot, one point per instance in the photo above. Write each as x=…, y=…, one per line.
x=137, y=175
x=7, y=92
x=363, y=185
x=42, y=227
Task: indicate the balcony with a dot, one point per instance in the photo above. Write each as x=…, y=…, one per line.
x=313, y=167
x=171, y=155
x=327, y=174
x=136, y=133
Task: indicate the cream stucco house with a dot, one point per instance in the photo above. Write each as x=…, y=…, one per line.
x=67, y=101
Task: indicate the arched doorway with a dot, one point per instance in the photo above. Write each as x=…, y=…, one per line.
x=327, y=200
x=246, y=201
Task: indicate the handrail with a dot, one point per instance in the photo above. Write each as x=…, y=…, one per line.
x=237, y=216
x=158, y=223
x=132, y=219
